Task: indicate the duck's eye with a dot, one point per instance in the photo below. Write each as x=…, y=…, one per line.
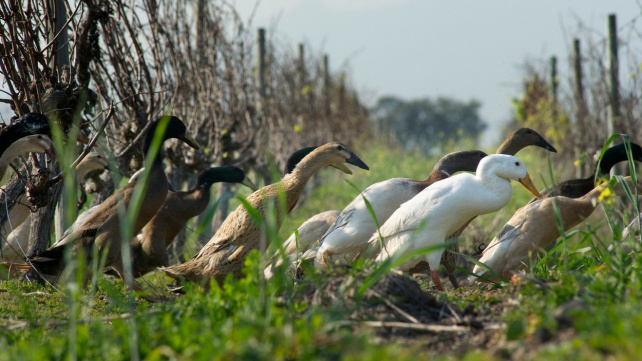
x=340, y=147
x=517, y=164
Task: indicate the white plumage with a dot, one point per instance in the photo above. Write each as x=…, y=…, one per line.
x=18, y=230
x=349, y=234
x=309, y=232
x=439, y=210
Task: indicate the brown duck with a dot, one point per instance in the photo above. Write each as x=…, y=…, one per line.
x=149, y=249
x=534, y=226
x=225, y=253
x=101, y=229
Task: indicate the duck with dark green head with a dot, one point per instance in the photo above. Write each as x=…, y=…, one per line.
x=30, y=134
x=240, y=233
x=149, y=248
x=101, y=229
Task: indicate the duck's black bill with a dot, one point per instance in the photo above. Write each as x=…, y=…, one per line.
x=354, y=160
x=544, y=144
x=189, y=140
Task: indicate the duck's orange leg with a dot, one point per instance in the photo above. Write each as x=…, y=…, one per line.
x=436, y=280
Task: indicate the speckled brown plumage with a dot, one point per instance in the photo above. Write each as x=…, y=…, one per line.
x=239, y=234
x=149, y=249
x=534, y=226
x=101, y=229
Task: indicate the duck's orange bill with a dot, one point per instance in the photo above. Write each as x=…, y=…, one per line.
x=528, y=184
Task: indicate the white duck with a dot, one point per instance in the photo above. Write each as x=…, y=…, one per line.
x=349, y=234
x=308, y=232
x=533, y=227
x=439, y=210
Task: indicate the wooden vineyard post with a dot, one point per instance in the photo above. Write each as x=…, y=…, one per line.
x=326, y=84
x=553, y=85
x=260, y=68
x=613, y=82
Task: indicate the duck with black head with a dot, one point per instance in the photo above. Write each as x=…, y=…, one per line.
x=102, y=228
x=533, y=227
x=149, y=248
x=226, y=251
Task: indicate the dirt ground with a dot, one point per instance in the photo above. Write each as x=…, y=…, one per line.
x=397, y=309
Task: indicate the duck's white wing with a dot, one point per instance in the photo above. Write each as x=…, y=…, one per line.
x=510, y=242
x=307, y=234
x=430, y=206
x=310, y=231
x=354, y=226
x=423, y=221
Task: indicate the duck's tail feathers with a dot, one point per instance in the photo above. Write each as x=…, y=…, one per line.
x=49, y=262
x=16, y=266
x=171, y=272
x=176, y=287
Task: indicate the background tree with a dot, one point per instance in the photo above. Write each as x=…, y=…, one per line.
x=427, y=124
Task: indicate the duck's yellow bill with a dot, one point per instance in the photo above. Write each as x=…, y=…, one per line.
x=342, y=167
x=528, y=184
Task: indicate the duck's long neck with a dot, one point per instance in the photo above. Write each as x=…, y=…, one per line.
x=81, y=173
x=157, y=160
x=294, y=182
x=612, y=156
x=435, y=176
x=583, y=207
x=194, y=201
x=6, y=157
x=509, y=146
x=499, y=186
x=4, y=164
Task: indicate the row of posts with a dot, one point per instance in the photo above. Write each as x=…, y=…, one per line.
x=261, y=70
x=614, y=114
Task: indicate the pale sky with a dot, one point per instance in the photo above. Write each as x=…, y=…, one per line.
x=468, y=49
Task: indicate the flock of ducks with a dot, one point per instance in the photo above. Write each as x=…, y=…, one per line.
x=411, y=224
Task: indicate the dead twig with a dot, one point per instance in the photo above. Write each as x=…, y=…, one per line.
x=404, y=325
x=18, y=324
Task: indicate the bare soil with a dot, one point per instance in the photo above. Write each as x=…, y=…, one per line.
x=397, y=309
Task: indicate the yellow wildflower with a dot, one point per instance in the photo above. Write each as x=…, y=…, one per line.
x=606, y=195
